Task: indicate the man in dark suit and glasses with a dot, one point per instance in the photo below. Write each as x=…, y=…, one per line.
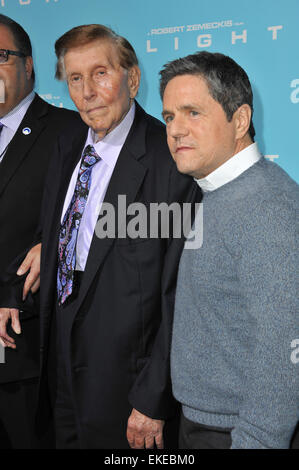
x=29, y=128
x=107, y=304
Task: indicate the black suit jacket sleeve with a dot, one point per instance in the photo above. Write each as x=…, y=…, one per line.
x=11, y=288
x=152, y=392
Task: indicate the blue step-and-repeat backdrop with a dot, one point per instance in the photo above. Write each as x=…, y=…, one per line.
x=262, y=35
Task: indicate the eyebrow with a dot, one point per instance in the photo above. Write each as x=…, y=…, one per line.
x=185, y=107
x=165, y=112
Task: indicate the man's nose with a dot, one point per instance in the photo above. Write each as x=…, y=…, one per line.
x=177, y=127
x=89, y=90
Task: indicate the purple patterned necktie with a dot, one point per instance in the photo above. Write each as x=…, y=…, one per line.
x=70, y=225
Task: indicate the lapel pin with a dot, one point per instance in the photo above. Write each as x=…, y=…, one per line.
x=26, y=131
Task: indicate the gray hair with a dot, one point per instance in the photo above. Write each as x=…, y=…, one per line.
x=227, y=82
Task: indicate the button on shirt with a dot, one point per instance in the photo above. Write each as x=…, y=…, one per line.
x=12, y=121
x=108, y=149
x=230, y=169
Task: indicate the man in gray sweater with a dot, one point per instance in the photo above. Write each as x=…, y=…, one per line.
x=234, y=366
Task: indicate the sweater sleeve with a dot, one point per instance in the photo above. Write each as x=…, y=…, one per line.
x=267, y=266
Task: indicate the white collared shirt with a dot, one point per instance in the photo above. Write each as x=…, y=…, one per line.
x=12, y=120
x=108, y=149
x=231, y=169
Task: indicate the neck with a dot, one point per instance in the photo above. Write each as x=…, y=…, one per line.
x=242, y=144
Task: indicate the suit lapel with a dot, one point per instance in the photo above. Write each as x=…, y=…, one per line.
x=68, y=166
x=21, y=144
x=64, y=174
x=67, y=160
x=126, y=180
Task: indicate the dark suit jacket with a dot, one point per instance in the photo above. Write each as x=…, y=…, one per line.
x=22, y=176
x=120, y=339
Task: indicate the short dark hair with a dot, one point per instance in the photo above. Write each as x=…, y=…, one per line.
x=84, y=34
x=21, y=38
x=227, y=82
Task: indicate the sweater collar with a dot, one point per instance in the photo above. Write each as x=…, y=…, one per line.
x=231, y=169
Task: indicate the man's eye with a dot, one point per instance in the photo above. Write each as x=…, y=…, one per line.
x=75, y=79
x=168, y=119
x=99, y=74
x=194, y=113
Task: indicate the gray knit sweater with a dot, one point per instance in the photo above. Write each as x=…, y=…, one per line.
x=236, y=312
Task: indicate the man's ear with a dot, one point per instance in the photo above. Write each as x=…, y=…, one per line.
x=134, y=80
x=242, y=118
x=29, y=67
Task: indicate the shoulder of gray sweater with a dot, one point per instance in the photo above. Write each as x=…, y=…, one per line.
x=259, y=204
x=264, y=181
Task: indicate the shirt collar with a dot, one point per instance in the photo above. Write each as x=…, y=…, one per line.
x=231, y=169
x=13, y=119
x=109, y=147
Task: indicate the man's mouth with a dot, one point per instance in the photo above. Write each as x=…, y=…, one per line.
x=183, y=148
x=97, y=108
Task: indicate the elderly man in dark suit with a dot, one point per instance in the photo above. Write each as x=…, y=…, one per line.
x=107, y=303
x=29, y=128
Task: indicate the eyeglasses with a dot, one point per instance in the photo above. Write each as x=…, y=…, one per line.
x=4, y=53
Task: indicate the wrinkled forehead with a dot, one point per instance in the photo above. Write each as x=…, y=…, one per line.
x=99, y=51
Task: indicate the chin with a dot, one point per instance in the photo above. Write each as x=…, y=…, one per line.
x=184, y=169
